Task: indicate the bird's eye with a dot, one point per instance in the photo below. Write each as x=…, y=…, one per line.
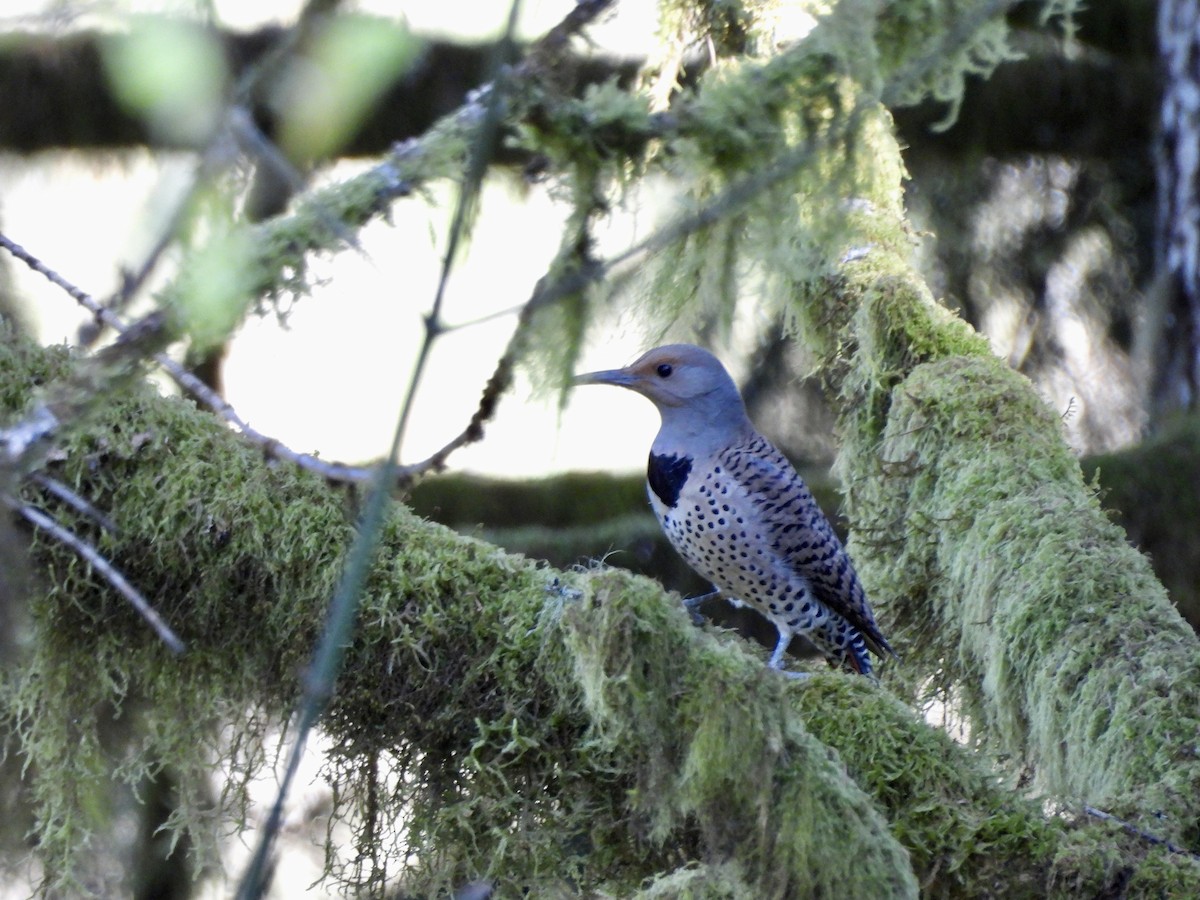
x=664, y=370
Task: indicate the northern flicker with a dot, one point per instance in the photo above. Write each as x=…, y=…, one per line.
x=740, y=515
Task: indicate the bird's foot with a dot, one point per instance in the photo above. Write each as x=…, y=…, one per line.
x=776, y=660
x=692, y=605
x=693, y=602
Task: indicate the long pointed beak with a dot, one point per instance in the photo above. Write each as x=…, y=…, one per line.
x=619, y=377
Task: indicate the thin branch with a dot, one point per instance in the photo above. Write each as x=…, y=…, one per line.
x=1129, y=828
x=477, y=162
x=73, y=500
x=96, y=560
x=186, y=380
x=84, y=299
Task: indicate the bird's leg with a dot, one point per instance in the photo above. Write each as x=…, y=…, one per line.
x=692, y=605
x=692, y=602
x=776, y=660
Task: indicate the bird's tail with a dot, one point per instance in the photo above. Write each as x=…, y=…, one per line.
x=844, y=647
x=856, y=658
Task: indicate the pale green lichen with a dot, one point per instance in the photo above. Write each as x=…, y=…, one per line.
x=561, y=733
x=930, y=47
x=1068, y=652
x=782, y=150
x=698, y=882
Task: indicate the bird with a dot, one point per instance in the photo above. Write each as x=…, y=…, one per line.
x=740, y=515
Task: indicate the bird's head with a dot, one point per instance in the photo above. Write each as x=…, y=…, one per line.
x=688, y=384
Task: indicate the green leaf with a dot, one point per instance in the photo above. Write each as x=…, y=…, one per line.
x=326, y=93
x=172, y=73
x=214, y=291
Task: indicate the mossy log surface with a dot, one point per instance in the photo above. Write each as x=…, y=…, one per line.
x=1068, y=648
x=556, y=731
x=1000, y=570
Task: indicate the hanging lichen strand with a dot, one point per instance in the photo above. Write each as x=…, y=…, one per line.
x=780, y=157
x=556, y=732
x=783, y=155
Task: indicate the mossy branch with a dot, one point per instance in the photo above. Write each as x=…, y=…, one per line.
x=982, y=541
x=536, y=727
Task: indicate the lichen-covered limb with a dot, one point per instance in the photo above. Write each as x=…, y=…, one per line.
x=498, y=718
x=983, y=542
x=974, y=530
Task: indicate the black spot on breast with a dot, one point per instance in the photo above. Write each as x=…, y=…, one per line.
x=667, y=475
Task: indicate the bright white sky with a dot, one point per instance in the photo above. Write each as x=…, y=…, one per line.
x=317, y=385
x=630, y=28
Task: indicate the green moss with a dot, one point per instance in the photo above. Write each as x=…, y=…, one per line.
x=1090, y=862
x=1062, y=634
x=955, y=849
x=196, y=518
x=560, y=733
x=24, y=368
x=798, y=825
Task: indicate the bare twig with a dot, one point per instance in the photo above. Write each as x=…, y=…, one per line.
x=477, y=162
x=73, y=500
x=186, y=380
x=548, y=291
x=84, y=299
x=96, y=560
x=1129, y=828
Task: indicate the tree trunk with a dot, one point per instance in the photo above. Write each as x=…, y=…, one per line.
x=1176, y=377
